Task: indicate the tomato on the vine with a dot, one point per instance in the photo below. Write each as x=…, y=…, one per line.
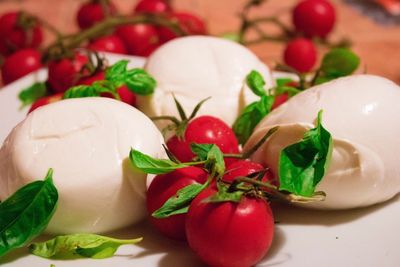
x=17, y=31
x=92, y=12
x=139, y=39
x=20, y=64
x=109, y=43
x=300, y=54
x=229, y=234
x=314, y=18
x=246, y=168
x=45, y=101
x=165, y=186
x=204, y=130
x=152, y=6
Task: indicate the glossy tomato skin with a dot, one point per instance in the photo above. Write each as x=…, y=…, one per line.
x=64, y=73
x=45, y=100
x=314, y=18
x=189, y=22
x=229, y=234
x=20, y=64
x=161, y=189
x=246, y=168
x=152, y=6
x=92, y=12
x=13, y=37
x=110, y=43
x=139, y=39
x=204, y=130
x=279, y=100
x=300, y=54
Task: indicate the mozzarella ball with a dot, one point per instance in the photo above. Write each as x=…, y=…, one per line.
x=361, y=112
x=196, y=67
x=87, y=143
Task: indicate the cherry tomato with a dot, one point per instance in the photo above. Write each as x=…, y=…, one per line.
x=110, y=43
x=139, y=39
x=152, y=6
x=14, y=36
x=203, y=130
x=314, y=17
x=20, y=64
x=279, y=100
x=45, y=100
x=300, y=54
x=190, y=23
x=92, y=12
x=66, y=72
x=245, y=168
x=165, y=186
x=228, y=234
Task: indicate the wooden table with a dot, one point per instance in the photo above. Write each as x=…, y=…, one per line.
x=377, y=45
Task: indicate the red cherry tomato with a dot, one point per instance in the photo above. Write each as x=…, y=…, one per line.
x=314, y=17
x=190, y=23
x=152, y=6
x=44, y=101
x=300, y=54
x=165, y=186
x=204, y=130
x=20, y=64
x=92, y=12
x=110, y=43
x=245, y=168
x=139, y=39
x=14, y=37
x=228, y=234
x=279, y=100
x=66, y=72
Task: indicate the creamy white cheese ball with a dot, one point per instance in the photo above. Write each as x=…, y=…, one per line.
x=196, y=67
x=361, y=112
x=87, y=143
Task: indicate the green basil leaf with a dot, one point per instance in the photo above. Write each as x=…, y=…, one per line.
x=140, y=82
x=256, y=83
x=283, y=81
x=302, y=165
x=251, y=115
x=180, y=202
x=117, y=72
x=290, y=90
x=75, y=245
x=212, y=155
x=32, y=93
x=147, y=164
x=95, y=89
x=339, y=62
x=26, y=214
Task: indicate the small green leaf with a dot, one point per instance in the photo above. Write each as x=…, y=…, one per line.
x=302, y=165
x=283, y=81
x=32, y=93
x=95, y=89
x=26, y=214
x=339, y=62
x=117, y=72
x=212, y=155
x=180, y=202
x=140, y=82
x=256, y=83
x=147, y=164
x=223, y=195
x=79, y=245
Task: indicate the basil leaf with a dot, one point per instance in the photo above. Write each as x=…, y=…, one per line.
x=251, y=115
x=25, y=214
x=283, y=81
x=32, y=93
x=256, y=83
x=339, y=62
x=302, y=165
x=212, y=155
x=85, y=245
x=93, y=90
x=180, y=202
x=140, y=82
x=117, y=72
x=147, y=164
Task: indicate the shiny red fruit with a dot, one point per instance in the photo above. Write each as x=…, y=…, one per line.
x=229, y=234
x=279, y=100
x=139, y=39
x=204, y=130
x=45, y=100
x=20, y=64
x=152, y=6
x=165, y=186
x=14, y=36
x=190, y=23
x=314, y=18
x=110, y=43
x=300, y=54
x=92, y=12
x=66, y=72
x=246, y=168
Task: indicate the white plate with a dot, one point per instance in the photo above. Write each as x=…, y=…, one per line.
x=360, y=237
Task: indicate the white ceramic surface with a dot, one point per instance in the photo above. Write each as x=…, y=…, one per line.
x=360, y=237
